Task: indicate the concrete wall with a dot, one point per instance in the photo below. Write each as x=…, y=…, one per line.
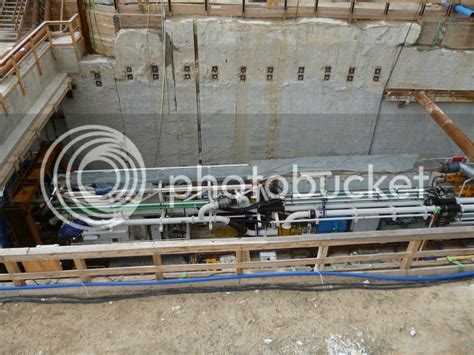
x=18, y=104
x=227, y=120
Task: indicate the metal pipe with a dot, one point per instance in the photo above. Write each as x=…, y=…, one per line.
x=47, y=10
x=35, y=21
x=464, y=169
x=454, y=132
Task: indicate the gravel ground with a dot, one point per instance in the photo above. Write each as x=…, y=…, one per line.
x=433, y=319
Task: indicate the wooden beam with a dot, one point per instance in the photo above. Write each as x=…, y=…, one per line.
x=232, y=244
x=322, y=253
x=242, y=256
x=19, y=80
x=80, y=264
x=366, y=263
x=408, y=95
x=157, y=261
x=13, y=268
x=411, y=250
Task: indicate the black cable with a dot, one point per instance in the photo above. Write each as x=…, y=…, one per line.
x=70, y=299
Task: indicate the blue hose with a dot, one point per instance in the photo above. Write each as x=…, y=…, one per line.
x=463, y=10
x=433, y=278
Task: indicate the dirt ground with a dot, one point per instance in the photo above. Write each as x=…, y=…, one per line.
x=434, y=319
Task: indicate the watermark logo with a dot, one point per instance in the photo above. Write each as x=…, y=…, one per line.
x=79, y=203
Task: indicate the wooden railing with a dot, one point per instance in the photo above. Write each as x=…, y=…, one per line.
x=352, y=9
x=44, y=262
x=28, y=48
x=19, y=16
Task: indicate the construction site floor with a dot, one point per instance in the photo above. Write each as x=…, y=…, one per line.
x=432, y=319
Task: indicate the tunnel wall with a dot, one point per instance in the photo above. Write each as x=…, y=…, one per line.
x=205, y=111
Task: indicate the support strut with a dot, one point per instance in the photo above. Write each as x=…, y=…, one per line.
x=453, y=131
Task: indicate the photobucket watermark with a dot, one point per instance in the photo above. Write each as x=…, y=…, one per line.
x=302, y=184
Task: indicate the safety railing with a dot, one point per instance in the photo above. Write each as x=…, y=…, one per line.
x=19, y=16
x=408, y=250
x=28, y=48
x=361, y=9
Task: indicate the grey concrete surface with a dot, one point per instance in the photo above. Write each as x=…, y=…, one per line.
x=223, y=119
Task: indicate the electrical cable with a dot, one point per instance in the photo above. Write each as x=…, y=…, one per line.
x=432, y=278
x=72, y=299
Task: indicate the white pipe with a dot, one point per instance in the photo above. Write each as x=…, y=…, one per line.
x=465, y=200
x=467, y=208
x=293, y=216
x=380, y=211
x=180, y=220
x=208, y=207
x=364, y=204
x=345, y=218
x=357, y=212
x=165, y=220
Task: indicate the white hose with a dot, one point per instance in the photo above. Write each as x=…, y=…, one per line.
x=295, y=216
x=208, y=207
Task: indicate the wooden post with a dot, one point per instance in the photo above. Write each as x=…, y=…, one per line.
x=157, y=262
x=242, y=256
x=18, y=75
x=80, y=264
x=14, y=19
x=351, y=10
x=74, y=42
x=13, y=268
x=322, y=253
x=412, y=248
x=50, y=40
x=4, y=107
x=35, y=55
